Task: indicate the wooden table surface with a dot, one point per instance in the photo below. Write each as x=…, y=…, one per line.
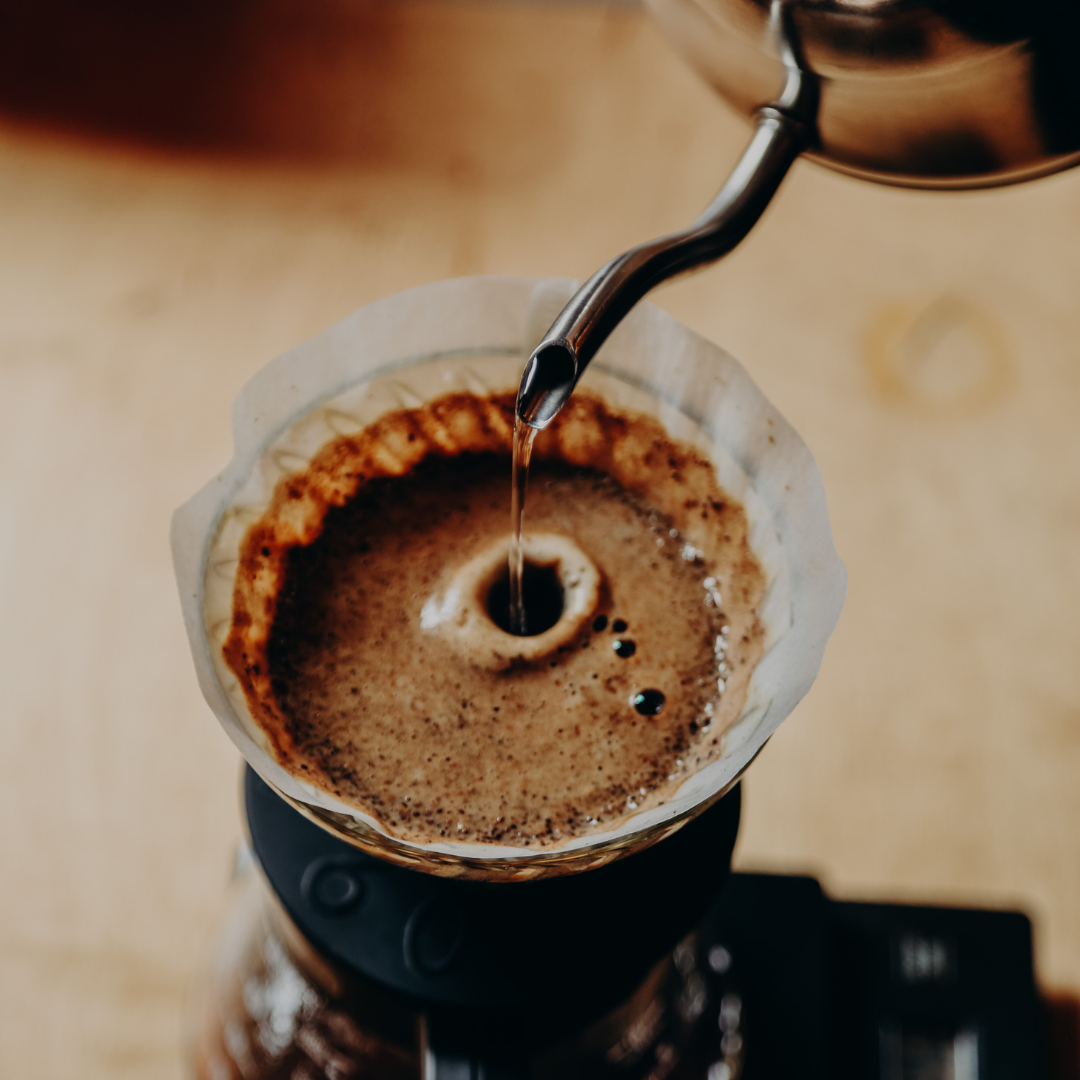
x=926, y=347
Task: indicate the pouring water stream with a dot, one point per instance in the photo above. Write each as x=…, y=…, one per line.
x=524, y=437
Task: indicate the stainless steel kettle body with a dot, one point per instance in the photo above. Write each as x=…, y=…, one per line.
x=922, y=93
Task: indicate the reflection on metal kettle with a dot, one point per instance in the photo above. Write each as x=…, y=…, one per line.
x=916, y=93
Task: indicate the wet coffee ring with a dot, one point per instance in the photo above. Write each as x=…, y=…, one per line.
x=459, y=612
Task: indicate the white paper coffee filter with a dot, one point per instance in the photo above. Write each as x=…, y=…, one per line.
x=474, y=334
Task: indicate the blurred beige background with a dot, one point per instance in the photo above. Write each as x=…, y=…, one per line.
x=181, y=200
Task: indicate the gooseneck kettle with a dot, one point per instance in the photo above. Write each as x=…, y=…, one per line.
x=938, y=94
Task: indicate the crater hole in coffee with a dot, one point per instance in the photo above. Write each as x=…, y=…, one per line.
x=542, y=595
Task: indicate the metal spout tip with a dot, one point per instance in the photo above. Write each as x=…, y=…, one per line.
x=546, y=383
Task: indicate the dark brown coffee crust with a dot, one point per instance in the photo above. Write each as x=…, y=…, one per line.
x=632, y=452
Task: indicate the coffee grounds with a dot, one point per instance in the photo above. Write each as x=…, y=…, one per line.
x=365, y=703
